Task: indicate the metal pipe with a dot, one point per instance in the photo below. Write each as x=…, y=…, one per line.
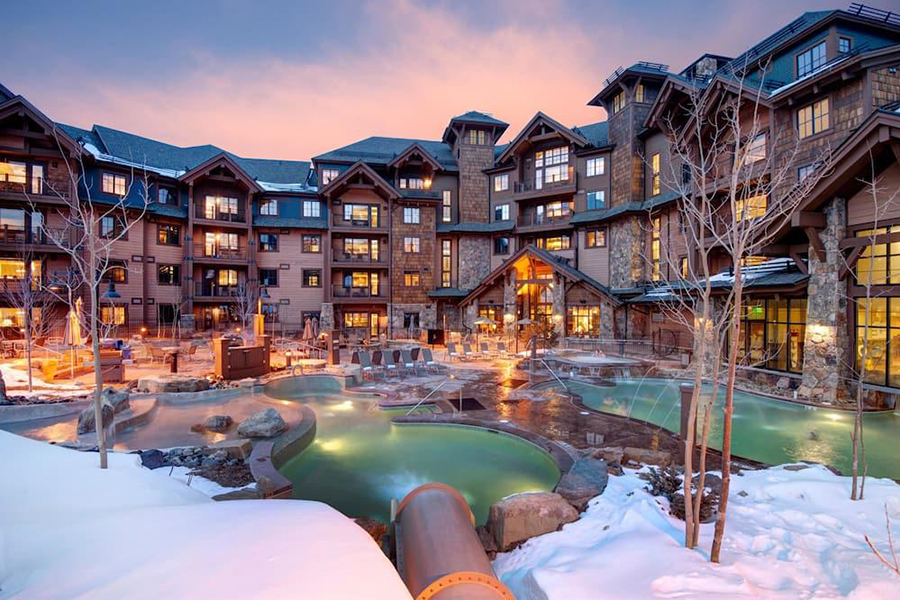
x=425, y=398
x=438, y=552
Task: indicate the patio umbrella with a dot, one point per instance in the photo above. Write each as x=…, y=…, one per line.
x=481, y=321
x=73, y=327
x=315, y=327
x=307, y=330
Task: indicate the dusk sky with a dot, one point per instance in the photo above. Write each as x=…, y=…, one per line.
x=293, y=79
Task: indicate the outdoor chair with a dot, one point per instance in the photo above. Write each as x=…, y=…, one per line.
x=452, y=352
x=157, y=353
x=487, y=352
x=408, y=363
x=366, y=366
x=190, y=352
x=501, y=350
x=468, y=353
x=428, y=360
x=387, y=357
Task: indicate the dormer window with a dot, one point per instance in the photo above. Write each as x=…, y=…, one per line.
x=113, y=184
x=618, y=102
x=167, y=195
x=811, y=59
x=844, y=45
x=268, y=207
x=477, y=137
x=329, y=175
x=412, y=183
x=639, y=94
x=551, y=166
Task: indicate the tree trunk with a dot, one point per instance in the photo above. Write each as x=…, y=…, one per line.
x=729, y=410
x=98, y=373
x=701, y=477
x=28, y=316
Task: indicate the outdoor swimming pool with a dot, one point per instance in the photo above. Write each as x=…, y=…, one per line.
x=767, y=430
x=360, y=461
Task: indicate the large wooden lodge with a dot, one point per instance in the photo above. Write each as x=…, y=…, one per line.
x=573, y=226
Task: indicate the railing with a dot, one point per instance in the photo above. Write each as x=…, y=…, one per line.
x=338, y=220
x=201, y=212
x=339, y=291
x=204, y=251
x=341, y=256
x=664, y=344
x=209, y=290
x=58, y=189
x=419, y=403
x=534, y=219
x=19, y=235
x=555, y=376
x=529, y=187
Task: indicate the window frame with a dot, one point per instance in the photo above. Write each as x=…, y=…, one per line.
x=162, y=227
x=446, y=206
x=495, y=247
x=412, y=279
x=590, y=166
x=813, y=118
x=114, y=183
x=267, y=247
x=587, y=199
x=598, y=240
x=412, y=215
x=503, y=210
x=267, y=203
x=501, y=182
x=306, y=248
x=305, y=277
x=329, y=175
x=176, y=274
x=412, y=244
x=268, y=285
x=814, y=62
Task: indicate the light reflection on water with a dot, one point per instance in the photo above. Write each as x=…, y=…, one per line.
x=767, y=430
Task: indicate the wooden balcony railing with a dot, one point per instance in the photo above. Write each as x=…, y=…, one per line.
x=341, y=256
x=203, y=251
x=46, y=236
x=339, y=291
x=46, y=189
x=536, y=220
x=201, y=212
x=337, y=220
x=205, y=289
x=530, y=189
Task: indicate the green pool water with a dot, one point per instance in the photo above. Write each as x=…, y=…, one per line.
x=767, y=430
x=359, y=460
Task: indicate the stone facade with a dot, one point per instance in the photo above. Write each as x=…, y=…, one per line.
x=427, y=315
x=627, y=157
x=607, y=321
x=509, y=301
x=626, y=253
x=826, y=349
x=421, y=263
x=469, y=316
x=326, y=317
x=885, y=86
x=473, y=184
x=449, y=317
x=559, y=306
x=474, y=260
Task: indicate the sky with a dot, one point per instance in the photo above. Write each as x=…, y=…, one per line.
x=292, y=79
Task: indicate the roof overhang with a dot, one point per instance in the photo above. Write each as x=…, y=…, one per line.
x=221, y=160
x=541, y=120
x=411, y=153
x=459, y=123
x=360, y=175
x=18, y=105
x=628, y=74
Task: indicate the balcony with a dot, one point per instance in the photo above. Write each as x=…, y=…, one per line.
x=202, y=212
x=527, y=190
x=339, y=291
x=211, y=291
x=535, y=221
x=203, y=252
x=339, y=256
x=54, y=191
x=337, y=220
x=13, y=238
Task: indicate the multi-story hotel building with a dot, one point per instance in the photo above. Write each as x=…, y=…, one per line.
x=571, y=225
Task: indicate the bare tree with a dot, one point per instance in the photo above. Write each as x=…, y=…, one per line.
x=91, y=229
x=893, y=564
x=247, y=304
x=741, y=193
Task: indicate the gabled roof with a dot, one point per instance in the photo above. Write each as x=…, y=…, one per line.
x=595, y=133
x=540, y=118
x=18, y=104
x=473, y=117
x=5, y=93
x=413, y=149
x=360, y=170
x=382, y=150
x=222, y=159
x=290, y=222
x=641, y=69
x=554, y=262
x=789, y=32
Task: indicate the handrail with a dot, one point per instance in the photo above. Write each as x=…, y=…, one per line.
x=565, y=387
x=425, y=398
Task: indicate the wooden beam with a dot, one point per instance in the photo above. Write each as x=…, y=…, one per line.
x=805, y=218
x=815, y=242
x=799, y=261
x=881, y=238
x=895, y=146
x=850, y=262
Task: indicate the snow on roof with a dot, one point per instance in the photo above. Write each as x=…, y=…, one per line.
x=95, y=152
x=286, y=187
x=827, y=66
x=155, y=537
x=751, y=272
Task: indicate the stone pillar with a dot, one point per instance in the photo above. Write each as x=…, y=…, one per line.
x=326, y=317
x=469, y=316
x=626, y=253
x=509, y=302
x=826, y=349
x=607, y=321
x=559, y=307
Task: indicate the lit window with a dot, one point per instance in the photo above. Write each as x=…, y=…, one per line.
x=596, y=200
x=269, y=207
x=17, y=172
x=813, y=119
x=755, y=150
x=595, y=238
x=329, y=175
x=639, y=94
x=655, y=250
x=501, y=182
x=312, y=244
x=751, y=208
x=583, y=321
x=168, y=235
x=411, y=278
x=501, y=212
x=446, y=262
x=312, y=278
x=112, y=315
x=413, y=183
x=560, y=242
x=446, y=207
x=169, y=275
x=654, y=174
x=268, y=242
x=411, y=244
x=684, y=267
x=618, y=102
x=812, y=59
x=551, y=166
x=596, y=166
x=477, y=137
x=227, y=277
x=113, y=184
x=410, y=215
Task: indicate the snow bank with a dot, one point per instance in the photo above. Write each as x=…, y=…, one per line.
x=69, y=529
x=790, y=534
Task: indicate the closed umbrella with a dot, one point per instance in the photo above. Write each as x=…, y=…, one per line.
x=481, y=321
x=315, y=327
x=307, y=330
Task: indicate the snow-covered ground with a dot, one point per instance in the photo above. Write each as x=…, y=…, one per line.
x=69, y=529
x=17, y=383
x=790, y=534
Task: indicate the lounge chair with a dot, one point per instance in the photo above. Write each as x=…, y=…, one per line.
x=366, y=367
x=487, y=352
x=501, y=350
x=408, y=363
x=428, y=360
x=157, y=353
x=390, y=366
x=452, y=352
x=468, y=353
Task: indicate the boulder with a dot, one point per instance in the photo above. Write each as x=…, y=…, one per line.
x=585, y=480
x=118, y=399
x=242, y=494
x=216, y=459
x=644, y=456
x=214, y=423
x=172, y=383
x=519, y=517
x=264, y=424
x=86, y=420
x=611, y=454
x=239, y=448
x=3, y=399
